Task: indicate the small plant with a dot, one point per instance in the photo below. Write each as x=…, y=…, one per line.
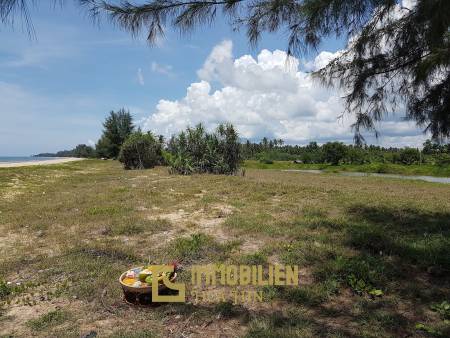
x=192, y=247
x=257, y=258
x=443, y=309
x=50, y=319
x=226, y=309
x=426, y=328
x=5, y=290
x=360, y=286
x=8, y=290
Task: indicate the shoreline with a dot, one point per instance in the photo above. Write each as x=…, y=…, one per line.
x=42, y=162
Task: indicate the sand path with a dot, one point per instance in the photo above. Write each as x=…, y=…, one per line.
x=43, y=162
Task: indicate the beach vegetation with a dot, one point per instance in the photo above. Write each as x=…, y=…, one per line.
x=116, y=129
x=141, y=151
x=198, y=151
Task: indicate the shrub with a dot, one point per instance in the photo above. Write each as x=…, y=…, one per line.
x=443, y=159
x=196, y=151
x=334, y=152
x=140, y=151
x=409, y=156
x=266, y=161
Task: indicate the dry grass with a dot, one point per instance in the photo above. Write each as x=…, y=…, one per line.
x=67, y=231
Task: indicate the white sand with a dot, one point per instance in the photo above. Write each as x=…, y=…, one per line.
x=43, y=162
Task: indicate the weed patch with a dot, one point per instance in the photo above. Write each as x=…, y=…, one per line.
x=49, y=320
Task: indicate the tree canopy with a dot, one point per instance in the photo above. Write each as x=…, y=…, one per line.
x=397, y=58
x=117, y=127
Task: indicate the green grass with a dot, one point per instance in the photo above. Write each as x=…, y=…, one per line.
x=382, y=168
x=48, y=320
x=372, y=252
x=200, y=247
x=134, y=334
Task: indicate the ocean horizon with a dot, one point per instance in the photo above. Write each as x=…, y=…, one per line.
x=9, y=159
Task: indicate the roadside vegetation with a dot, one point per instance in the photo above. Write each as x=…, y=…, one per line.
x=336, y=153
x=381, y=168
x=432, y=160
x=373, y=260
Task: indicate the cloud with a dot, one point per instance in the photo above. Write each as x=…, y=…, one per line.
x=140, y=77
x=162, y=69
x=410, y=4
x=322, y=60
x=267, y=96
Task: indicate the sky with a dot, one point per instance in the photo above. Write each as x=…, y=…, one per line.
x=57, y=87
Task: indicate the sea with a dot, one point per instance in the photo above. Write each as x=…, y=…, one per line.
x=9, y=159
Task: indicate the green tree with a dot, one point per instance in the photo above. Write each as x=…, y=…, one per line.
x=103, y=148
x=117, y=127
x=334, y=152
x=355, y=155
x=140, y=151
x=83, y=150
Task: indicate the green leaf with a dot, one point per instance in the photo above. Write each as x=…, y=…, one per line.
x=376, y=292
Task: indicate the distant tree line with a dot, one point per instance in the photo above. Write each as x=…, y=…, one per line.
x=339, y=153
x=220, y=152
x=81, y=150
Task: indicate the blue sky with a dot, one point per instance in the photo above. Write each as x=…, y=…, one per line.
x=57, y=88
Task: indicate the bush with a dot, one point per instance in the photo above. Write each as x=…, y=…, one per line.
x=266, y=161
x=312, y=156
x=196, y=151
x=443, y=159
x=409, y=156
x=334, y=152
x=140, y=151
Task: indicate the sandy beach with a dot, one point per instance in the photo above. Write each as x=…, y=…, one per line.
x=43, y=162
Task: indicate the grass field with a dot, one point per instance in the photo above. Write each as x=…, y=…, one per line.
x=373, y=253
x=382, y=168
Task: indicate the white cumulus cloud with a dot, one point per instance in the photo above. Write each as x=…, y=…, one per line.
x=140, y=77
x=267, y=96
